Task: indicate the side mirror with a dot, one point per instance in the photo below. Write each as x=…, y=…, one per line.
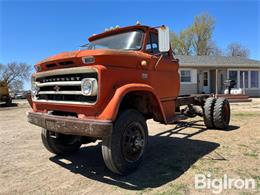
x=164, y=38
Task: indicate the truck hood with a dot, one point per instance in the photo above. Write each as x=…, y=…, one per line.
x=107, y=57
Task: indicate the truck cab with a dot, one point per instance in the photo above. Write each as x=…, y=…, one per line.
x=107, y=90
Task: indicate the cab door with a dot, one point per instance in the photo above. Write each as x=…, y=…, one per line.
x=164, y=75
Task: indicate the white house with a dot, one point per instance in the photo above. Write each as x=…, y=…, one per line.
x=198, y=74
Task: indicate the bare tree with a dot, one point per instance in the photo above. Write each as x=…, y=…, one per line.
x=15, y=74
x=213, y=49
x=236, y=49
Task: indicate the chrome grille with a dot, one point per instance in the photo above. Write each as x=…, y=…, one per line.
x=64, y=85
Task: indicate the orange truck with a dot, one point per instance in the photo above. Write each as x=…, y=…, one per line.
x=107, y=91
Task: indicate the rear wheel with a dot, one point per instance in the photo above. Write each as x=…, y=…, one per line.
x=221, y=115
x=60, y=144
x=123, y=150
x=208, y=112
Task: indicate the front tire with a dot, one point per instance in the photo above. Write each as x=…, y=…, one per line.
x=124, y=149
x=60, y=144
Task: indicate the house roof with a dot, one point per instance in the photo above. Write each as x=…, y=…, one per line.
x=217, y=61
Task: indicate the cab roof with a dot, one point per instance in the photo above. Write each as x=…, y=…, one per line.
x=117, y=30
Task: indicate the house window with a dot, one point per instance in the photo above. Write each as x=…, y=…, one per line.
x=233, y=76
x=241, y=79
x=254, y=79
x=251, y=78
x=185, y=76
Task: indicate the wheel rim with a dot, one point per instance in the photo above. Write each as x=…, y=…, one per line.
x=133, y=142
x=226, y=114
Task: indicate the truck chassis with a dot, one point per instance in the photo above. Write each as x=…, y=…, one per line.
x=110, y=93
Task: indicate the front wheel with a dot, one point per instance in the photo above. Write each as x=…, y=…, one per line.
x=124, y=149
x=60, y=144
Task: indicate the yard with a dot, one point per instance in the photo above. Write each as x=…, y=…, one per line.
x=175, y=154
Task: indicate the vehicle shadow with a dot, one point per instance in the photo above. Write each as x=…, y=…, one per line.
x=166, y=159
x=8, y=105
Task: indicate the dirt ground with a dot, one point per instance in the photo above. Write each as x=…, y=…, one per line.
x=175, y=154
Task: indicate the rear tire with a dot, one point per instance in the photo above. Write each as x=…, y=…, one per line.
x=208, y=112
x=124, y=149
x=60, y=144
x=221, y=113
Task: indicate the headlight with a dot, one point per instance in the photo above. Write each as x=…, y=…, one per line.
x=89, y=87
x=34, y=88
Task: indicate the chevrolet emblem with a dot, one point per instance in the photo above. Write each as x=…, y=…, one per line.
x=56, y=88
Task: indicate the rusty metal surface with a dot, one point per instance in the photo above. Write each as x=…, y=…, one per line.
x=29, y=99
x=196, y=99
x=70, y=125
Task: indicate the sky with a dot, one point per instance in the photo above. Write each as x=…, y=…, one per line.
x=33, y=30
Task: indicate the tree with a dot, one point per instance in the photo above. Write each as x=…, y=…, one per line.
x=197, y=38
x=235, y=49
x=15, y=74
x=182, y=44
x=202, y=29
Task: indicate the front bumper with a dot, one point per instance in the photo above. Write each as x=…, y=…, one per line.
x=70, y=125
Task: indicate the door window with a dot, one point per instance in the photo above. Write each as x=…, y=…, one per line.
x=152, y=45
x=205, y=79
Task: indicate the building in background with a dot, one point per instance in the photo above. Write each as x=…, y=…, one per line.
x=198, y=74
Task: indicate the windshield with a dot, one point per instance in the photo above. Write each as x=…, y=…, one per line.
x=127, y=41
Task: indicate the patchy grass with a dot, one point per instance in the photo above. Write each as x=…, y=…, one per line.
x=243, y=145
x=215, y=171
x=251, y=153
x=246, y=193
x=257, y=179
x=176, y=189
x=245, y=114
x=145, y=191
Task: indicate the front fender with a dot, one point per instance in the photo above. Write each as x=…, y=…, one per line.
x=111, y=110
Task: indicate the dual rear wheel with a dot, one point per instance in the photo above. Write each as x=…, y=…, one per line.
x=216, y=113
